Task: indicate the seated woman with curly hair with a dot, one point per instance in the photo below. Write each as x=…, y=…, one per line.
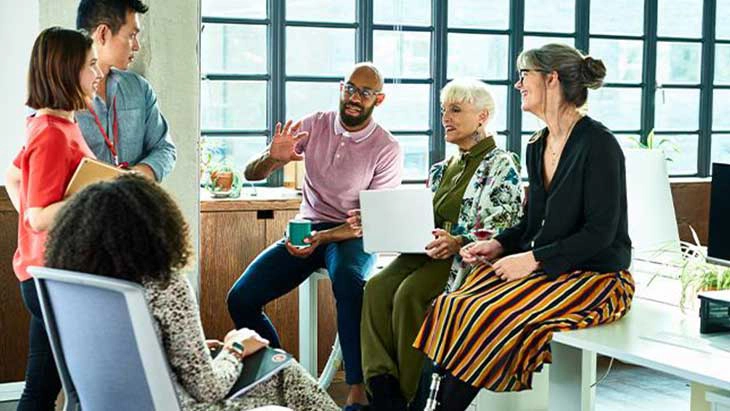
x=131, y=229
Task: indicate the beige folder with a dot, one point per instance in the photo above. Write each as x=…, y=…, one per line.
x=91, y=171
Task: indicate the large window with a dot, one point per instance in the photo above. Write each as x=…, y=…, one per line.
x=269, y=61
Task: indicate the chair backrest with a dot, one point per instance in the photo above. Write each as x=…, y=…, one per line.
x=104, y=342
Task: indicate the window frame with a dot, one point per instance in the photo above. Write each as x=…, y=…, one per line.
x=439, y=30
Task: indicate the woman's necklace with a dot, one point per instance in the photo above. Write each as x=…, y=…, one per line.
x=555, y=150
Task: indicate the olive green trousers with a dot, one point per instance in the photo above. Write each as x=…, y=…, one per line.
x=394, y=306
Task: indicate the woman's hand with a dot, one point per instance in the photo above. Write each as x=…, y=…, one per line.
x=516, y=266
x=250, y=339
x=480, y=251
x=444, y=246
x=214, y=345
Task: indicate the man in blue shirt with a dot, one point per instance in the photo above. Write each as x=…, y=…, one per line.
x=124, y=125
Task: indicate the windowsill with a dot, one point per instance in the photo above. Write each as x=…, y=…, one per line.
x=686, y=180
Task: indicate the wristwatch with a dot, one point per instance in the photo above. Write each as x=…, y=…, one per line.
x=237, y=350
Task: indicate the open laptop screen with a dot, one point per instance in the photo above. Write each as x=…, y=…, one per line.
x=718, y=247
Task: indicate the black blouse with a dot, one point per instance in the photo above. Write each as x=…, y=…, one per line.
x=580, y=222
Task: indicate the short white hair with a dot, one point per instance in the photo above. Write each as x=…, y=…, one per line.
x=472, y=91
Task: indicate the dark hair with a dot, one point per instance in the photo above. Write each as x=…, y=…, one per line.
x=577, y=73
x=55, y=65
x=127, y=228
x=113, y=13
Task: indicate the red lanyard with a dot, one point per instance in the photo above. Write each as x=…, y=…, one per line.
x=115, y=131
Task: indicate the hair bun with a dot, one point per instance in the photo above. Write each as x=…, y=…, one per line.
x=593, y=72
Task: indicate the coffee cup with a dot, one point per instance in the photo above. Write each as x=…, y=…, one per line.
x=298, y=230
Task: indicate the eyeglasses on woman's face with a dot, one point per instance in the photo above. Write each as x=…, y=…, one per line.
x=524, y=73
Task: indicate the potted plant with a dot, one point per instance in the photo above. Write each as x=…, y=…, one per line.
x=697, y=274
x=223, y=180
x=212, y=151
x=656, y=143
x=651, y=216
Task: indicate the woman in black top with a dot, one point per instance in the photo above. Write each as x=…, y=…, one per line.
x=562, y=267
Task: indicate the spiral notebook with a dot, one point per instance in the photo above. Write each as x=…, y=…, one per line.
x=258, y=368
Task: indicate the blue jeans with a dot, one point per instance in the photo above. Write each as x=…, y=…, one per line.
x=42, y=383
x=275, y=272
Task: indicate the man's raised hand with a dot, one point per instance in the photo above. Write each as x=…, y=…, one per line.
x=283, y=143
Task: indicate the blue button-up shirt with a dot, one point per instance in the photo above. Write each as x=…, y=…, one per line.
x=144, y=135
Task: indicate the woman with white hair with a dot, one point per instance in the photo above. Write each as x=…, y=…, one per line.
x=563, y=267
x=476, y=193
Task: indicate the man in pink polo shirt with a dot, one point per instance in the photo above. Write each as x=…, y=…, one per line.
x=344, y=152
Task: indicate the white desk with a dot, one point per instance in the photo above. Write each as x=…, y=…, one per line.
x=651, y=335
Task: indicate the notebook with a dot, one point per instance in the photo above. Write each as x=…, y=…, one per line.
x=258, y=368
x=91, y=171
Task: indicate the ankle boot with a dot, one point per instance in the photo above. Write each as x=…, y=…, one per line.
x=386, y=394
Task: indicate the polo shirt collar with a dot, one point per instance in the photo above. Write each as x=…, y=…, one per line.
x=357, y=136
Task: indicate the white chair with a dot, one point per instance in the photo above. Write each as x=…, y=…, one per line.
x=104, y=342
x=308, y=332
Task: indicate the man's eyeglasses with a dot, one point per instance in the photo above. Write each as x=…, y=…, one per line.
x=366, y=93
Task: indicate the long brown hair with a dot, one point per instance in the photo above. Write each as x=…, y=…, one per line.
x=55, y=64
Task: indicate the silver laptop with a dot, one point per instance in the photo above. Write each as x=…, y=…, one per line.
x=397, y=220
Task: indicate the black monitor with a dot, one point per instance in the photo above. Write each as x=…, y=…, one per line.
x=718, y=246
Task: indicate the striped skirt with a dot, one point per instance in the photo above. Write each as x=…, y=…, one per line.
x=494, y=334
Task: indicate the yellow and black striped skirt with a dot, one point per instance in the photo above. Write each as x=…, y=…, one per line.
x=495, y=334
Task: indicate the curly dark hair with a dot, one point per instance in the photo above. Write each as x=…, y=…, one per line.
x=128, y=228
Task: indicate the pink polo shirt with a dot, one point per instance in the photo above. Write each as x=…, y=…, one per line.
x=339, y=164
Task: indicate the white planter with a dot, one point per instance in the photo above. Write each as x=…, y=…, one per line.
x=652, y=221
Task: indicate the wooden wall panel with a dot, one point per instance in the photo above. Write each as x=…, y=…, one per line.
x=228, y=243
x=14, y=318
x=692, y=207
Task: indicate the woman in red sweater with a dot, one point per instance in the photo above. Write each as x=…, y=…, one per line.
x=62, y=76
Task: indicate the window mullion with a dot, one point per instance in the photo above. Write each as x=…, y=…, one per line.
x=364, y=38
x=582, y=24
x=704, y=157
x=439, y=56
x=514, y=103
x=276, y=60
x=649, y=74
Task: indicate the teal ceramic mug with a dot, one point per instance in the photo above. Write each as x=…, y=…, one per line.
x=298, y=230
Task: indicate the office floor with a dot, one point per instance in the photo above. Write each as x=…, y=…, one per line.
x=627, y=388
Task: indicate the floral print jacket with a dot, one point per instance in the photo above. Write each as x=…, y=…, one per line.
x=492, y=202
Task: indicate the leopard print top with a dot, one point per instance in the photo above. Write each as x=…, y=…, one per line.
x=202, y=382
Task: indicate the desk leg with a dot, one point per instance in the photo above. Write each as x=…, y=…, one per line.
x=571, y=374
x=308, y=325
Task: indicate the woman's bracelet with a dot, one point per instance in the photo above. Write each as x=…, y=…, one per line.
x=236, y=349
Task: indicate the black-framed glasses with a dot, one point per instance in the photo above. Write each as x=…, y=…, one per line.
x=523, y=73
x=365, y=93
